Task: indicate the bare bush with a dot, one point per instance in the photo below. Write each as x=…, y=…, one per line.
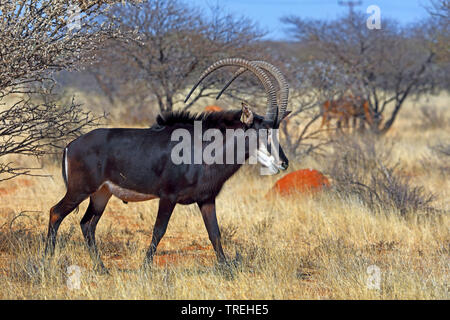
x=41, y=36
x=362, y=168
x=37, y=125
x=439, y=159
x=37, y=39
x=433, y=118
x=441, y=149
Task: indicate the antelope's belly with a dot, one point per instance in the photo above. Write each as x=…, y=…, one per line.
x=127, y=194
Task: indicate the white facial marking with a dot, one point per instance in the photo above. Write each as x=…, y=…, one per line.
x=271, y=161
x=266, y=160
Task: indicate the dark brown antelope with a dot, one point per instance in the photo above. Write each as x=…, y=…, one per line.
x=136, y=164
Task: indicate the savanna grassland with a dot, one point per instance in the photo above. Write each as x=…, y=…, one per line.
x=301, y=247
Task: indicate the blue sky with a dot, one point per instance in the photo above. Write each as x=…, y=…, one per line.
x=268, y=12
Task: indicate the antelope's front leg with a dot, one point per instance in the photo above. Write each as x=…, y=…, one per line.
x=208, y=209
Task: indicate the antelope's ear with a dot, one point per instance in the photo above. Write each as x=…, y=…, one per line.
x=286, y=113
x=247, y=115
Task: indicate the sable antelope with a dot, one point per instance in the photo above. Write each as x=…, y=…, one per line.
x=135, y=164
x=213, y=109
x=346, y=108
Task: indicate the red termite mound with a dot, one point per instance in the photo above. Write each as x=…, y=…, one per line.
x=213, y=108
x=300, y=181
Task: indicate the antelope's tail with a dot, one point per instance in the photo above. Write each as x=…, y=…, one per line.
x=65, y=172
x=64, y=166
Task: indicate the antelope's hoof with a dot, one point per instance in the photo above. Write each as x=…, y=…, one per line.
x=147, y=265
x=102, y=270
x=226, y=269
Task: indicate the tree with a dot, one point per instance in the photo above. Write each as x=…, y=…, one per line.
x=439, y=11
x=383, y=66
x=438, y=29
x=38, y=38
x=175, y=42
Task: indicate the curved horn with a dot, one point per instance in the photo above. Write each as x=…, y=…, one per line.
x=284, y=86
x=236, y=75
x=276, y=73
x=272, y=107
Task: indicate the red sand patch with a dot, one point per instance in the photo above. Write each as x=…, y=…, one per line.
x=14, y=186
x=191, y=253
x=166, y=259
x=25, y=182
x=179, y=258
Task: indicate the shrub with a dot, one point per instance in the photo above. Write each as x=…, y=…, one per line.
x=433, y=118
x=361, y=167
x=439, y=159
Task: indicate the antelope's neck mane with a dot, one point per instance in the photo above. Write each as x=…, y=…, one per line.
x=209, y=119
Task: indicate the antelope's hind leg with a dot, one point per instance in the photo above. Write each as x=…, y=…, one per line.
x=97, y=204
x=57, y=214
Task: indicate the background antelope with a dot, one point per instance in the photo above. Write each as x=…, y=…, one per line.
x=345, y=110
x=135, y=165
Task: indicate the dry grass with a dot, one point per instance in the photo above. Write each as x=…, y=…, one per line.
x=300, y=247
